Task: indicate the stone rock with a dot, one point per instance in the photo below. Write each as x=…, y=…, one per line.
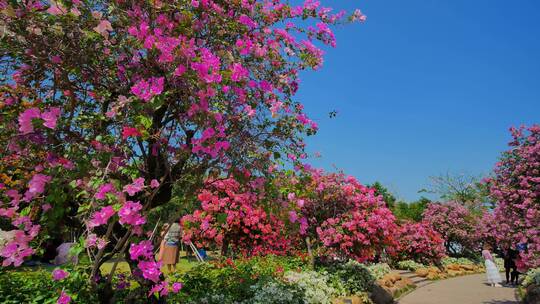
x=422, y=272
x=381, y=296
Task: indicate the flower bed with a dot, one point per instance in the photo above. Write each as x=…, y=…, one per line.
x=273, y=279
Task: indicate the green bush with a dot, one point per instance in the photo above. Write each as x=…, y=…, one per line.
x=409, y=265
x=531, y=277
x=272, y=279
x=35, y=285
x=314, y=286
x=461, y=261
x=237, y=281
x=354, y=277
x=379, y=270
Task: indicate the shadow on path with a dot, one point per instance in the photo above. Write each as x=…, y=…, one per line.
x=469, y=289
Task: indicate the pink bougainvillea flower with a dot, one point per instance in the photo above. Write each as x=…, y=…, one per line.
x=59, y=274
x=238, y=72
x=154, y=183
x=36, y=185
x=150, y=270
x=25, y=120
x=135, y=187
x=176, y=287
x=56, y=9
x=144, y=249
x=293, y=217
x=146, y=89
x=50, y=117
x=101, y=217
x=103, y=190
x=245, y=20
x=103, y=28
x=129, y=131
x=56, y=59
x=180, y=70
x=129, y=214
x=64, y=298
x=46, y=207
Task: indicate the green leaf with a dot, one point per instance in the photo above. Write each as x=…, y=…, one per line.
x=221, y=218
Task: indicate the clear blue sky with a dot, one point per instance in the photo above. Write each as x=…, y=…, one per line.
x=425, y=87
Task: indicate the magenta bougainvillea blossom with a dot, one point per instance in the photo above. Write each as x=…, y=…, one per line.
x=419, y=242
x=341, y=216
x=516, y=190
x=459, y=227
x=231, y=214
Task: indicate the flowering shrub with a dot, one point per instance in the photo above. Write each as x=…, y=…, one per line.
x=456, y=224
x=108, y=104
x=516, y=188
x=38, y=286
x=341, y=217
x=419, y=242
x=232, y=215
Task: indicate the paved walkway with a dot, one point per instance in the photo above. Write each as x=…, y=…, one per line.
x=471, y=289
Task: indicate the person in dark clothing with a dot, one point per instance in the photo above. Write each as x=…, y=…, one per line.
x=510, y=268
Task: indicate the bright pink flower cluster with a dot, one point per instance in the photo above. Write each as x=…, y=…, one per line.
x=419, y=242
x=458, y=226
x=232, y=214
x=516, y=189
x=49, y=118
x=347, y=218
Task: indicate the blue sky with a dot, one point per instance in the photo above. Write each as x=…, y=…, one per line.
x=425, y=87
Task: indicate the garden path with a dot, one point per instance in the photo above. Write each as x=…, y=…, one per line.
x=471, y=289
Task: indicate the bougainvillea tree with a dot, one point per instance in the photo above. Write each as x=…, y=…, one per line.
x=458, y=226
x=107, y=104
x=338, y=216
x=234, y=215
x=419, y=242
x=516, y=189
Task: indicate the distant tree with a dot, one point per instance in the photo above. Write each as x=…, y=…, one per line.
x=387, y=196
x=465, y=189
x=411, y=211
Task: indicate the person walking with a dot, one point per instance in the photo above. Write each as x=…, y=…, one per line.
x=168, y=250
x=510, y=269
x=493, y=276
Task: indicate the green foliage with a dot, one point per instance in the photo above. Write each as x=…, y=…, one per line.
x=277, y=292
x=409, y=265
x=388, y=197
x=411, y=211
x=532, y=277
x=235, y=281
x=36, y=286
x=272, y=279
x=314, y=285
x=379, y=270
x=355, y=277
x=461, y=261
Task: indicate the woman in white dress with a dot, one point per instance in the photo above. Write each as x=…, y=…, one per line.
x=493, y=275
